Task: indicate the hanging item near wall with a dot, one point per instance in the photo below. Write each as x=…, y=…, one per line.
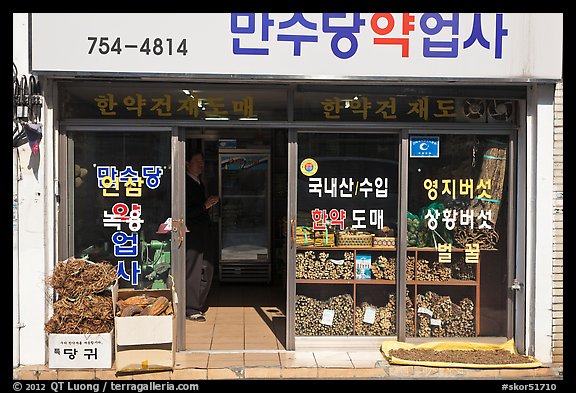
x=34, y=135
x=79, y=173
x=492, y=175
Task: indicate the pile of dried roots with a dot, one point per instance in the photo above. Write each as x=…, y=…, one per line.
x=84, y=304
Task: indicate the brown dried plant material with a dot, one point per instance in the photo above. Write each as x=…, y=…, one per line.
x=138, y=300
x=139, y=305
x=131, y=310
x=84, y=305
x=74, y=278
x=156, y=308
x=90, y=314
x=461, y=356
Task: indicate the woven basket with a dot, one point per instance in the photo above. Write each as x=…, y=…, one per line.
x=384, y=241
x=355, y=240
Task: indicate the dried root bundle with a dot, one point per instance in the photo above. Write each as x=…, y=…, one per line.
x=86, y=315
x=84, y=304
x=74, y=278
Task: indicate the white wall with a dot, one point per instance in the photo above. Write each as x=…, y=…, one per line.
x=29, y=300
x=540, y=224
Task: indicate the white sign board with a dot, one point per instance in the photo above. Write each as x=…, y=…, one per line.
x=80, y=350
x=511, y=46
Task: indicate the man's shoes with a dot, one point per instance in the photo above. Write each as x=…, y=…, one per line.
x=199, y=317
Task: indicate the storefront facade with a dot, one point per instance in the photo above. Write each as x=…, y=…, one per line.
x=389, y=169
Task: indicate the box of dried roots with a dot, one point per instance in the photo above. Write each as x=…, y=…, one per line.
x=81, y=326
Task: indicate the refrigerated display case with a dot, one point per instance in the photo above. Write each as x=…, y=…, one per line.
x=245, y=236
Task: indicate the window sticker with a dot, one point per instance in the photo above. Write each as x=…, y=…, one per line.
x=309, y=167
x=424, y=147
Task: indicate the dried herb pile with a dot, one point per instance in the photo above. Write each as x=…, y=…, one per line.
x=461, y=356
x=84, y=304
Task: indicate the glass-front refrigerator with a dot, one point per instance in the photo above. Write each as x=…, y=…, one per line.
x=244, y=187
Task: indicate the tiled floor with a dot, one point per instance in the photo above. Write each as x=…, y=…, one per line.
x=240, y=317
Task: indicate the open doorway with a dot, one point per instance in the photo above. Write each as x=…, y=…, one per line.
x=246, y=304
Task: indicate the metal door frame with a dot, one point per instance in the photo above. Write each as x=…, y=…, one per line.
x=65, y=229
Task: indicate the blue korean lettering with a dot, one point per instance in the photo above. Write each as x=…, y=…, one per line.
x=250, y=28
x=442, y=49
x=342, y=32
x=135, y=272
x=128, y=174
x=119, y=239
x=133, y=276
x=152, y=174
x=297, y=39
x=121, y=271
x=500, y=32
x=477, y=34
x=105, y=171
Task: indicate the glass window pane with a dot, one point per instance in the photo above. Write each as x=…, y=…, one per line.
x=346, y=234
x=121, y=195
x=245, y=218
x=457, y=234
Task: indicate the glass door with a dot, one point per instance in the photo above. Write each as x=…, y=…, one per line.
x=458, y=233
x=125, y=205
x=345, y=233
x=245, y=215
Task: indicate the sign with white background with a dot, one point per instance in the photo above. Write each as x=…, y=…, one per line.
x=511, y=46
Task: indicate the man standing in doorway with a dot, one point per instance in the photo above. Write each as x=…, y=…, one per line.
x=199, y=242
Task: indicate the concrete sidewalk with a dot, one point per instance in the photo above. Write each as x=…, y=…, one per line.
x=255, y=365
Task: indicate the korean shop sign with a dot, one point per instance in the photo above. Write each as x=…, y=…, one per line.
x=142, y=103
x=126, y=219
x=512, y=46
x=354, y=200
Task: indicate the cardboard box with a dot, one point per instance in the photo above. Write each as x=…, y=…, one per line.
x=80, y=350
x=145, y=343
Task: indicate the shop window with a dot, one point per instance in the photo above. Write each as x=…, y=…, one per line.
x=345, y=233
x=457, y=259
x=120, y=186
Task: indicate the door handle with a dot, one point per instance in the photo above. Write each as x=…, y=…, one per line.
x=292, y=232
